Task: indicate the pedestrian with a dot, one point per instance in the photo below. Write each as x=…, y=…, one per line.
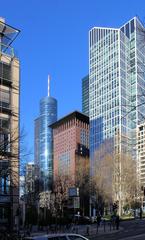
x=117, y=220
x=98, y=219
x=113, y=220
x=140, y=213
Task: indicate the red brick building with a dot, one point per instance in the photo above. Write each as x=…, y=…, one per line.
x=70, y=144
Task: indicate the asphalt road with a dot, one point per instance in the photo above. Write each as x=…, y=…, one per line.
x=130, y=230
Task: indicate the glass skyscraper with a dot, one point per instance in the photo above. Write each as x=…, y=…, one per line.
x=116, y=84
x=44, y=157
x=85, y=95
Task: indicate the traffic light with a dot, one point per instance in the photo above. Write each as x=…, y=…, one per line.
x=115, y=206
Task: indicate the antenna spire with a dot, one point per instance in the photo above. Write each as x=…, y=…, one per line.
x=48, y=85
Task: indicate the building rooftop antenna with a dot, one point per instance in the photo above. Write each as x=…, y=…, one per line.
x=48, y=85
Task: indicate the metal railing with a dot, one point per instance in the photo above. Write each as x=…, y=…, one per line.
x=6, y=50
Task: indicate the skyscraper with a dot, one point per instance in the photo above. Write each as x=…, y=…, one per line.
x=30, y=178
x=71, y=152
x=116, y=84
x=9, y=126
x=43, y=147
x=85, y=95
x=37, y=141
x=71, y=143
x=141, y=154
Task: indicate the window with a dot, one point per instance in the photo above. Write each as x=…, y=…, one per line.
x=127, y=30
x=132, y=26
x=5, y=183
x=4, y=213
x=4, y=98
x=4, y=123
x=5, y=142
x=5, y=71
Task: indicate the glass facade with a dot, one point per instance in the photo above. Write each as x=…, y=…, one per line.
x=141, y=154
x=48, y=115
x=85, y=95
x=37, y=141
x=116, y=84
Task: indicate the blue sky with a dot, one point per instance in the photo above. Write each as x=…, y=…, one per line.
x=54, y=40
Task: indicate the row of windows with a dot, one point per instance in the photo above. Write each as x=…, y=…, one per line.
x=4, y=98
x=103, y=36
x=5, y=184
x=5, y=71
x=128, y=28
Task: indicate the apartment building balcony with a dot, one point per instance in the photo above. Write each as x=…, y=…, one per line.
x=7, y=35
x=6, y=50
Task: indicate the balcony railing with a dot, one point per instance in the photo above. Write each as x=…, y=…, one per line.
x=6, y=50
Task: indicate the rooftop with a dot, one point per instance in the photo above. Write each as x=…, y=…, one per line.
x=76, y=114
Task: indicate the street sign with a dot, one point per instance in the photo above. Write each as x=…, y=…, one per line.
x=73, y=192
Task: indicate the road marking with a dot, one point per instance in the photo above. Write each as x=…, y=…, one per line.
x=133, y=237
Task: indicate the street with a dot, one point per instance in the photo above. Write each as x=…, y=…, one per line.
x=134, y=229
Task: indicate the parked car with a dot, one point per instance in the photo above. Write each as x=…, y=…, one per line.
x=82, y=219
x=60, y=236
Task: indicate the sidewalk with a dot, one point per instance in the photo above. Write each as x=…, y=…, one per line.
x=85, y=230
x=92, y=230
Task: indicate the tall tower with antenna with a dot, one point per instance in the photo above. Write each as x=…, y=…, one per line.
x=43, y=139
x=48, y=85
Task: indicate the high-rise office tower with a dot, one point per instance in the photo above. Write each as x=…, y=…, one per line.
x=70, y=144
x=141, y=154
x=30, y=178
x=37, y=141
x=71, y=152
x=9, y=126
x=116, y=85
x=85, y=95
x=43, y=144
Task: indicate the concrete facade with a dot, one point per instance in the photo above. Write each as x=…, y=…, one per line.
x=9, y=129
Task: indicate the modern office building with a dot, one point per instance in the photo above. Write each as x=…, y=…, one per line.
x=30, y=178
x=141, y=155
x=85, y=95
x=37, y=141
x=116, y=85
x=71, y=150
x=43, y=139
x=22, y=186
x=9, y=126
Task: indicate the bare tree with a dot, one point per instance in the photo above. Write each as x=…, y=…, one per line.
x=125, y=180
x=10, y=154
x=60, y=191
x=114, y=178
x=83, y=183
